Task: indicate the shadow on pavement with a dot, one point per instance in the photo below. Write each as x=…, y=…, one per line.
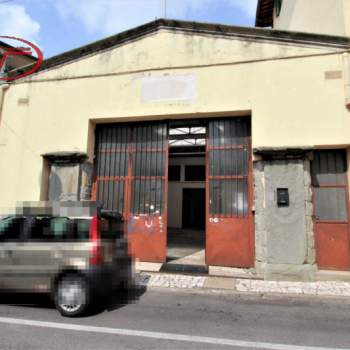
x=124, y=297
x=117, y=300
x=27, y=300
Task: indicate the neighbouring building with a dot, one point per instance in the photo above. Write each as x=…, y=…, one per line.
x=226, y=141
x=329, y=17
x=14, y=61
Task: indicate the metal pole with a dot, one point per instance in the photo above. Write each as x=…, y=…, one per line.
x=165, y=8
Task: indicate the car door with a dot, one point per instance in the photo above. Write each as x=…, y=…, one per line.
x=11, y=235
x=34, y=257
x=50, y=244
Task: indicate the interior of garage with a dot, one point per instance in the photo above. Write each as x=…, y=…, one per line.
x=186, y=194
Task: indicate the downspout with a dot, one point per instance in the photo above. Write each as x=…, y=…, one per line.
x=3, y=88
x=346, y=64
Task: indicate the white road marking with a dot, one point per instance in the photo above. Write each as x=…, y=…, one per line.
x=160, y=335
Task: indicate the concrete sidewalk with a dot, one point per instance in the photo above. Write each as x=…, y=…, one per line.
x=240, y=285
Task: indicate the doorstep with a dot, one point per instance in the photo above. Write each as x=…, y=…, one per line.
x=332, y=275
x=171, y=267
x=144, y=266
x=176, y=267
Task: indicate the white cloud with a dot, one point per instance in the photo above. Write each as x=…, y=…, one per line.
x=17, y=22
x=112, y=16
x=109, y=16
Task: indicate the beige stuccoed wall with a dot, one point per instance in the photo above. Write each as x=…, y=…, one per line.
x=315, y=16
x=290, y=101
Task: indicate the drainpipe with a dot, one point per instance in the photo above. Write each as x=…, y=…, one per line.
x=3, y=88
x=346, y=63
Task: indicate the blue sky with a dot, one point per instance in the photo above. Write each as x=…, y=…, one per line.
x=60, y=25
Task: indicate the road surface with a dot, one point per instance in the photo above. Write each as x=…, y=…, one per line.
x=169, y=319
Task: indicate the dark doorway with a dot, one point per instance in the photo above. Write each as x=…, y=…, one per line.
x=193, y=208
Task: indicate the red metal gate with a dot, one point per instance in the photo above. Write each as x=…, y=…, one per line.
x=229, y=223
x=331, y=218
x=147, y=222
x=131, y=169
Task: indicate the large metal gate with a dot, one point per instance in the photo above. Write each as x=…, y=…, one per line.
x=131, y=177
x=331, y=210
x=229, y=231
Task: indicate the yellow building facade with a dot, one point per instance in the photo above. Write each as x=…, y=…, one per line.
x=293, y=87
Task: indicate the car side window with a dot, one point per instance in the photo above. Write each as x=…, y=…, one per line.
x=11, y=228
x=41, y=229
x=81, y=229
x=58, y=229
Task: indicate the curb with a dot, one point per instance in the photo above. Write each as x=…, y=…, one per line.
x=239, y=285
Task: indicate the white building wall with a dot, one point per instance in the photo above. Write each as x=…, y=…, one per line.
x=330, y=17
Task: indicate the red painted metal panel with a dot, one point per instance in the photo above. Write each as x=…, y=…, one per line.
x=229, y=219
x=332, y=245
x=228, y=242
x=147, y=237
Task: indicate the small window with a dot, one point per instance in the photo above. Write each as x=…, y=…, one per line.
x=195, y=173
x=174, y=173
x=11, y=228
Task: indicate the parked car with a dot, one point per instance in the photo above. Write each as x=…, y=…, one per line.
x=79, y=260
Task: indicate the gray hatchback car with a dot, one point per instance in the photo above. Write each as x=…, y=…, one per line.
x=79, y=260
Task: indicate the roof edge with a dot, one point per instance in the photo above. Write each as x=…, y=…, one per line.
x=195, y=27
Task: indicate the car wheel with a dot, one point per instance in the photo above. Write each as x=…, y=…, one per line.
x=72, y=296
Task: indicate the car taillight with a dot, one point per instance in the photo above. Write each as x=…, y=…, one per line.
x=96, y=252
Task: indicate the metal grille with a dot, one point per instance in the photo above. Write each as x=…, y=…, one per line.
x=149, y=168
x=228, y=150
x=112, y=165
x=330, y=185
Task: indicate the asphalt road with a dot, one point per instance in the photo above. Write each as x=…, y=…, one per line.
x=180, y=320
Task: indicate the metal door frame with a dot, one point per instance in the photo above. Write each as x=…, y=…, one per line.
x=250, y=193
x=330, y=222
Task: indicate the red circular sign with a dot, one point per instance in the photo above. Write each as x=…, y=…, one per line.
x=20, y=51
